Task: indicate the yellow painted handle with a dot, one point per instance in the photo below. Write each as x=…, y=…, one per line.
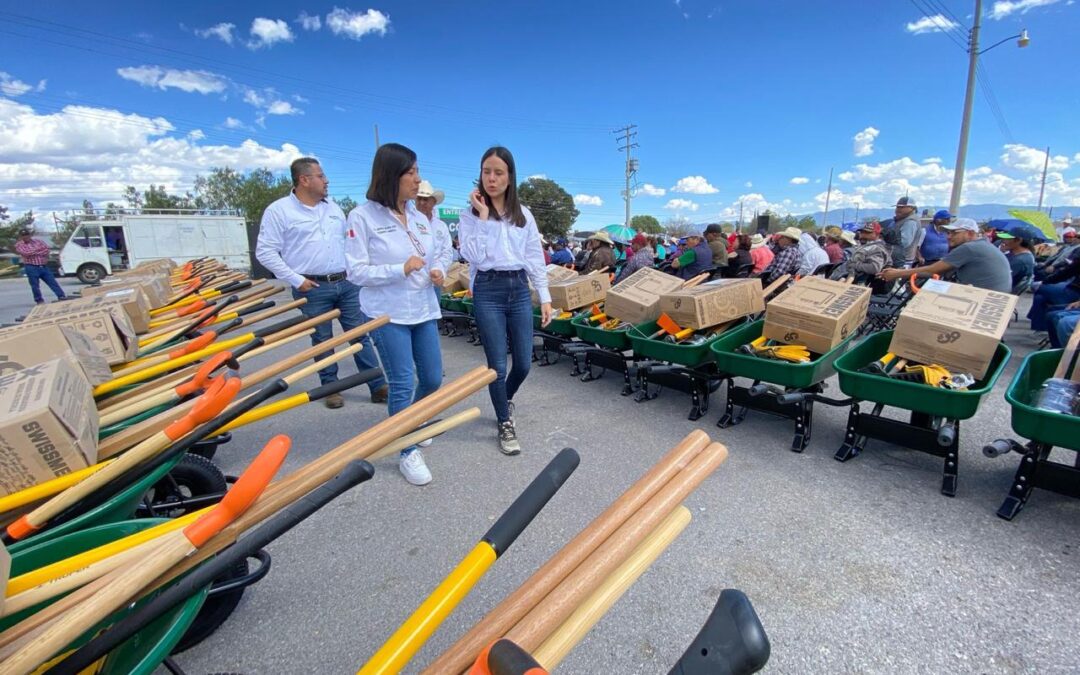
x=161, y=368
x=48, y=488
x=264, y=411
x=407, y=640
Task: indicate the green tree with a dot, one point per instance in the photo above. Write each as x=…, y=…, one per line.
x=220, y=190
x=157, y=197
x=250, y=194
x=9, y=229
x=132, y=197
x=347, y=204
x=646, y=224
x=789, y=221
x=807, y=224
x=678, y=227
x=552, y=206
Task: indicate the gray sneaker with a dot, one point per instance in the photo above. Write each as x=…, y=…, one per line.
x=508, y=442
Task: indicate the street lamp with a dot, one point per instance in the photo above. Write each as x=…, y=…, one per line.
x=965, y=122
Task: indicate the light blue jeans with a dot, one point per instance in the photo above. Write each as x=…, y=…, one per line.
x=412, y=361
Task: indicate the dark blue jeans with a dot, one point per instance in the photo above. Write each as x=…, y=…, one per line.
x=503, y=309
x=344, y=296
x=1046, y=298
x=412, y=360
x=35, y=274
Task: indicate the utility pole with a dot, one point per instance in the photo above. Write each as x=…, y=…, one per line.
x=1042, y=188
x=626, y=137
x=740, y=215
x=828, y=193
x=965, y=121
x=376, y=137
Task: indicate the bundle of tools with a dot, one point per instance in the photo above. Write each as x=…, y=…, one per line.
x=765, y=348
x=932, y=375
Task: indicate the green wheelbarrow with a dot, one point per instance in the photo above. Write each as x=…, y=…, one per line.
x=935, y=413
x=554, y=338
x=779, y=387
x=143, y=652
x=1044, y=430
x=604, y=350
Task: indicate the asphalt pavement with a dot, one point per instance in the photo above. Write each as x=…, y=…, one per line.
x=860, y=566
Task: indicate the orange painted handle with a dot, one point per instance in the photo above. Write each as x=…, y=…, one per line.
x=193, y=345
x=219, y=394
x=196, y=306
x=203, y=374
x=668, y=324
x=243, y=493
x=911, y=282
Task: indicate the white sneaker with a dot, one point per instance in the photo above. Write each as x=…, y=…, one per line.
x=414, y=469
x=424, y=444
x=508, y=442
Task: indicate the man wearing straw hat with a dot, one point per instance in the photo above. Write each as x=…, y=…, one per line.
x=427, y=198
x=601, y=255
x=786, y=258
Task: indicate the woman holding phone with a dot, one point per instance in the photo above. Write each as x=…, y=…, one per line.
x=500, y=241
x=390, y=248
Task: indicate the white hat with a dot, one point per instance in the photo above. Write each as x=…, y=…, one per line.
x=757, y=241
x=849, y=237
x=1068, y=230
x=426, y=190
x=604, y=237
x=963, y=224
x=1067, y=221
x=792, y=233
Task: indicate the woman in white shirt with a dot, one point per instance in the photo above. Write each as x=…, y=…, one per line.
x=499, y=239
x=391, y=253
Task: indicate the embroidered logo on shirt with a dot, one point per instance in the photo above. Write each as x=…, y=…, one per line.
x=421, y=227
x=351, y=234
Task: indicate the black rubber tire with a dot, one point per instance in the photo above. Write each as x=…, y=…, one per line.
x=90, y=273
x=215, y=611
x=192, y=476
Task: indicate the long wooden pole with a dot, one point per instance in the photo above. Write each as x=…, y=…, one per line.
x=508, y=612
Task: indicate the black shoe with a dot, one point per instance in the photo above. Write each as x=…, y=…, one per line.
x=510, y=404
x=508, y=442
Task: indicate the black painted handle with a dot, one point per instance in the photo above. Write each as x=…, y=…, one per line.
x=516, y=518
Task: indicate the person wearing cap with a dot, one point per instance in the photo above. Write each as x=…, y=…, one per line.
x=714, y=237
x=1069, y=248
x=642, y=257
x=1021, y=260
x=35, y=260
x=786, y=256
x=559, y=254
x=601, y=253
x=302, y=241
x=833, y=247
x=935, y=242
x=760, y=253
x=427, y=198
x=973, y=259
x=695, y=258
x=902, y=234
x=866, y=259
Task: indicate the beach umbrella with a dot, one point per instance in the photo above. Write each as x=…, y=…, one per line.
x=1038, y=219
x=1019, y=228
x=620, y=233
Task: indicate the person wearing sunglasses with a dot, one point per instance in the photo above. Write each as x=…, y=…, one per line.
x=392, y=254
x=500, y=241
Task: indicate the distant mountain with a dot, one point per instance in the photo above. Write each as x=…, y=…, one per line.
x=980, y=212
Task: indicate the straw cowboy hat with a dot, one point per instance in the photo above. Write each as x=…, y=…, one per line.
x=849, y=237
x=792, y=233
x=426, y=190
x=603, y=237
x=757, y=241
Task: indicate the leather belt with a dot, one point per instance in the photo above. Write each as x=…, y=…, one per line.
x=326, y=278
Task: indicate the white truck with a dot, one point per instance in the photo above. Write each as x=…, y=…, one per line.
x=120, y=241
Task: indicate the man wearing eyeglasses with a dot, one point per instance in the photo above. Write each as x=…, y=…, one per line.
x=971, y=257
x=302, y=241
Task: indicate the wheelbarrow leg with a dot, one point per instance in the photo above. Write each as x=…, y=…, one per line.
x=699, y=399
x=803, y=424
x=1024, y=481
x=731, y=417
x=853, y=442
x=951, y=468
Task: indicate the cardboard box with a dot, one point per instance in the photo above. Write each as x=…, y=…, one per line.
x=952, y=325
x=581, y=291
x=816, y=313
x=636, y=299
x=49, y=424
x=555, y=274
x=165, y=265
x=713, y=303
x=457, y=278
x=107, y=327
x=131, y=299
x=30, y=345
x=156, y=287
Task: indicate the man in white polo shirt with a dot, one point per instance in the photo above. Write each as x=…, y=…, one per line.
x=302, y=241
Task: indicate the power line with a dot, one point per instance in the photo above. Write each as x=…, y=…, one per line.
x=943, y=24
x=944, y=10
x=992, y=101
x=626, y=137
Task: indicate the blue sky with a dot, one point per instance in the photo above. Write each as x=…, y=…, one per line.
x=734, y=101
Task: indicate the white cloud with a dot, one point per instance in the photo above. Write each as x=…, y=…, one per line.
x=1004, y=8
x=196, y=135
x=300, y=99
x=9, y=86
x=694, y=185
x=932, y=160
x=340, y=109
x=588, y=200
x=198, y=81
x=309, y=22
x=904, y=167
x=650, y=190
x=748, y=184
x=233, y=123
x=681, y=205
x=283, y=108
x=1020, y=156
x=54, y=161
x=937, y=23
x=356, y=25
x=222, y=31
x=799, y=180
x=864, y=141
x=539, y=176
x=267, y=32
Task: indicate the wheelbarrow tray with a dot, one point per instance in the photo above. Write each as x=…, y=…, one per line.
x=959, y=405
x=451, y=304
x=1037, y=425
x=143, y=652
x=594, y=335
x=467, y=304
x=685, y=355
x=792, y=375
x=557, y=326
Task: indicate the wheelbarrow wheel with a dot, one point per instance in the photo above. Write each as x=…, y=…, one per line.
x=193, y=476
x=216, y=610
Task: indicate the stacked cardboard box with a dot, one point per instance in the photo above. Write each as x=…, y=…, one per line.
x=816, y=313
x=581, y=291
x=555, y=274
x=636, y=299
x=132, y=300
x=33, y=344
x=107, y=326
x=713, y=303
